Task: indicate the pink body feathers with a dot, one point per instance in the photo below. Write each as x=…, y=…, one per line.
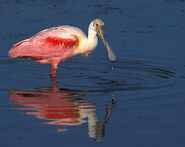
x=50, y=46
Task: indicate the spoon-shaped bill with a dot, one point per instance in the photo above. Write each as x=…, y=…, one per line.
x=110, y=54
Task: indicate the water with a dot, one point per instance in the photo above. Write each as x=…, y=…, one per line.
x=136, y=101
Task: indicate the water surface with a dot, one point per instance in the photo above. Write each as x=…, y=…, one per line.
x=136, y=101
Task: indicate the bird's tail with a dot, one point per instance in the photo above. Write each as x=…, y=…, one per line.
x=16, y=50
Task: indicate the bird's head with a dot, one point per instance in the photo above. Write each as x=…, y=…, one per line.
x=98, y=25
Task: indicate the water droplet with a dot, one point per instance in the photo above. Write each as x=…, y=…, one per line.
x=113, y=97
x=113, y=66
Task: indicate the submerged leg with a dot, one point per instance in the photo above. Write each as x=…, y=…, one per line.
x=53, y=82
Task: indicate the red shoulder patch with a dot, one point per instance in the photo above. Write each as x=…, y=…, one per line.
x=55, y=41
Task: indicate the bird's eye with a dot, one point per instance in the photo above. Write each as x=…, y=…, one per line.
x=97, y=27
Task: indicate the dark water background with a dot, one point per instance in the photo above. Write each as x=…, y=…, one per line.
x=137, y=101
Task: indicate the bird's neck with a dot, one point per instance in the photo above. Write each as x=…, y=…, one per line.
x=88, y=44
x=91, y=32
x=92, y=39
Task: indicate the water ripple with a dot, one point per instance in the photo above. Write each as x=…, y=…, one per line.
x=123, y=75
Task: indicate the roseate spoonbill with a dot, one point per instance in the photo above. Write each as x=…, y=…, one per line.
x=56, y=44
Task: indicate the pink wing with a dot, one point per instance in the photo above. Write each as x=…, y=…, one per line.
x=53, y=42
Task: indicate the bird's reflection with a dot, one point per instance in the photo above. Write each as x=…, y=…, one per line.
x=61, y=107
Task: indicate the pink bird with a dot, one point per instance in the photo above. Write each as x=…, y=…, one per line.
x=56, y=44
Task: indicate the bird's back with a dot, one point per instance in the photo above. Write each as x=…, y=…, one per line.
x=53, y=42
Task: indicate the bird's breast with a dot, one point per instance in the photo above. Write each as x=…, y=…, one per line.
x=86, y=46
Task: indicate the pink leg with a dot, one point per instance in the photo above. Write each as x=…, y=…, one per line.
x=55, y=62
x=53, y=71
x=53, y=75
